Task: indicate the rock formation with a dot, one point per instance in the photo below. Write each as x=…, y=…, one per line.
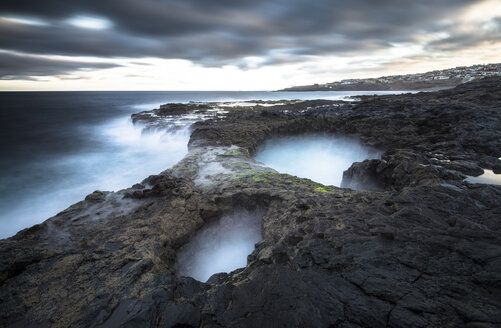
x=422, y=248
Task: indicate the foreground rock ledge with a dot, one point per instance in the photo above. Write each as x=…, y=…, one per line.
x=424, y=251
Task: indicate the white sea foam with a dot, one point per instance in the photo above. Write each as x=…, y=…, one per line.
x=321, y=158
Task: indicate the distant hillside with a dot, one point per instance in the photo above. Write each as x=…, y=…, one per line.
x=430, y=80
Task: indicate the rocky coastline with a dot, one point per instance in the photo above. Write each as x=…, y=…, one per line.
x=423, y=249
x=378, y=86
x=439, y=79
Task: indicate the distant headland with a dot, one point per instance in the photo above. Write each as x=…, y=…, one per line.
x=446, y=78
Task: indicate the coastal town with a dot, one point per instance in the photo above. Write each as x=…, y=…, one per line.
x=433, y=79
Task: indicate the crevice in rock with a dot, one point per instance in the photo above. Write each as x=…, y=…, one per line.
x=319, y=157
x=222, y=244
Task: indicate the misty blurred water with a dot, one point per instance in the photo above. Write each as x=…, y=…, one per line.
x=221, y=246
x=319, y=157
x=57, y=147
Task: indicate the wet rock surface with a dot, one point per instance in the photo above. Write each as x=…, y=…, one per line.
x=422, y=250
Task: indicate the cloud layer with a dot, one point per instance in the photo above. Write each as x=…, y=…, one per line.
x=225, y=32
x=14, y=66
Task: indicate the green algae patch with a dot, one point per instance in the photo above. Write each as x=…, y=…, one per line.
x=261, y=178
x=255, y=176
x=324, y=188
x=246, y=174
x=293, y=180
x=240, y=166
x=233, y=152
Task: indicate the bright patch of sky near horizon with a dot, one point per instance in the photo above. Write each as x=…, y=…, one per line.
x=464, y=35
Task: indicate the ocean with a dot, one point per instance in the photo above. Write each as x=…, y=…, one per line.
x=57, y=147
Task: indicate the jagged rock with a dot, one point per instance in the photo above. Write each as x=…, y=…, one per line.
x=362, y=176
x=425, y=251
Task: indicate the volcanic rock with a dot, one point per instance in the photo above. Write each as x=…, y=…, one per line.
x=422, y=248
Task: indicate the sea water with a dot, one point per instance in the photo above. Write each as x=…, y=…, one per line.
x=320, y=157
x=221, y=246
x=57, y=147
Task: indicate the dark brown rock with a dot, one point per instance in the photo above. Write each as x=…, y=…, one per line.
x=425, y=251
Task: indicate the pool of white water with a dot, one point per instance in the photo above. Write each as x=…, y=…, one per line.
x=221, y=246
x=321, y=158
x=489, y=177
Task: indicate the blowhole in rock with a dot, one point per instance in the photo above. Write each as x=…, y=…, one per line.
x=221, y=246
x=319, y=157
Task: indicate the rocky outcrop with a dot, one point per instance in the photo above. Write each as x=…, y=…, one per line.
x=421, y=249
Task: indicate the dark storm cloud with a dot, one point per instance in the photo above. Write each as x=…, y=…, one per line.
x=14, y=66
x=489, y=32
x=219, y=32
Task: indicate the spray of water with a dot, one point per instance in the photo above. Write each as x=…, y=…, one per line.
x=321, y=158
x=125, y=156
x=221, y=246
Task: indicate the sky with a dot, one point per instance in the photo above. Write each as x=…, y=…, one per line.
x=236, y=44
